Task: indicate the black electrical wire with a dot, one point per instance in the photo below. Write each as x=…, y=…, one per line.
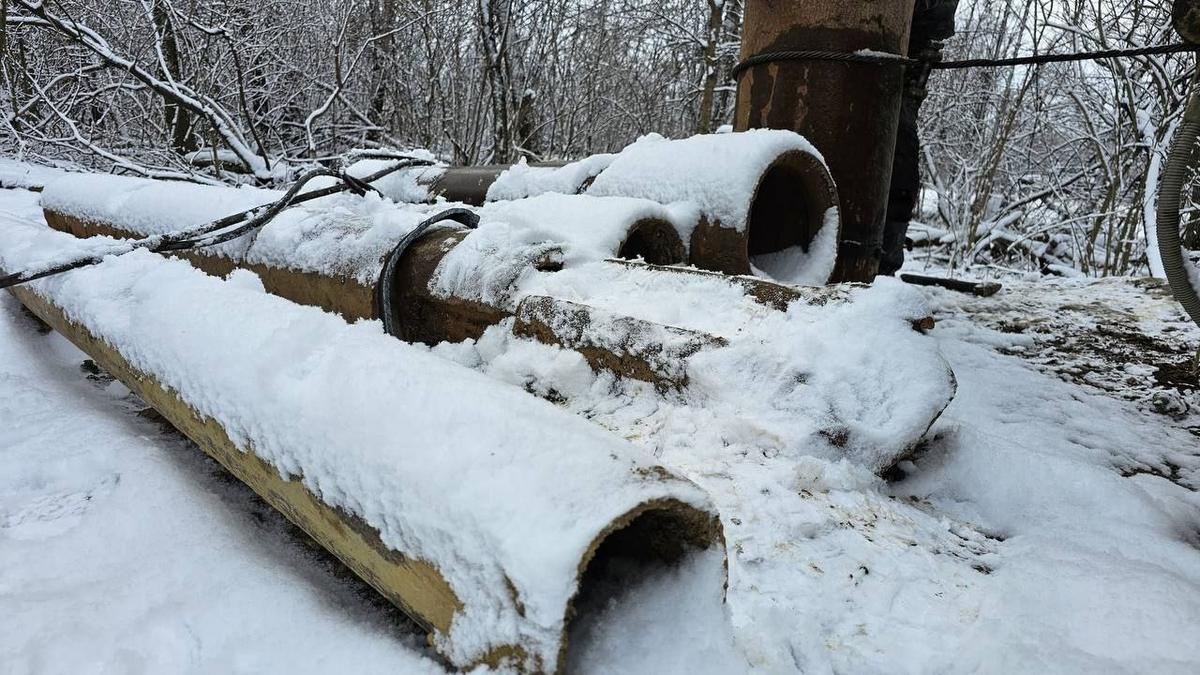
x=231, y=226
x=885, y=59
x=384, y=297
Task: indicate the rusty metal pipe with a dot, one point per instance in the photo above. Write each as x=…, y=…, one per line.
x=850, y=111
x=788, y=209
x=469, y=184
x=792, y=200
x=428, y=317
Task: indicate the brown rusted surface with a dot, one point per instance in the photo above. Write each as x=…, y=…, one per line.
x=628, y=347
x=430, y=318
x=719, y=249
x=653, y=240
x=850, y=111
x=787, y=209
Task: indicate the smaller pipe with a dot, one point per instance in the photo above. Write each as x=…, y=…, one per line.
x=470, y=184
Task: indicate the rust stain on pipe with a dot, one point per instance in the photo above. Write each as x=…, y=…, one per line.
x=850, y=111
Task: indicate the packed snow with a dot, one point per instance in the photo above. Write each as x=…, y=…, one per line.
x=1040, y=528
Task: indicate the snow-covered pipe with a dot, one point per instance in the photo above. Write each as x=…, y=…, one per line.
x=330, y=252
x=764, y=200
x=476, y=508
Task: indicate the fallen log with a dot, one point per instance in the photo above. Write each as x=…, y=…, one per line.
x=357, y=438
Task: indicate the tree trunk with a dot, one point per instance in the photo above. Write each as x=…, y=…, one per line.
x=494, y=26
x=716, y=16
x=178, y=120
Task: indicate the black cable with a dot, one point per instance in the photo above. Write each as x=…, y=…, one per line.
x=869, y=57
x=383, y=290
x=881, y=58
x=1038, y=59
x=231, y=226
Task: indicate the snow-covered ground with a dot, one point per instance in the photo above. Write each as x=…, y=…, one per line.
x=1050, y=525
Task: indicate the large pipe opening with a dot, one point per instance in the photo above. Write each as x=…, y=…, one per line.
x=654, y=241
x=787, y=213
x=654, y=534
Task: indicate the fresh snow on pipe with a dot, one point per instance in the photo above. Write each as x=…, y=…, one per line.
x=718, y=173
x=588, y=227
x=405, y=185
x=338, y=235
x=149, y=206
x=521, y=180
x=388, y=444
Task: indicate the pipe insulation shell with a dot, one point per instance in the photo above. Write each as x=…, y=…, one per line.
x=481, y=531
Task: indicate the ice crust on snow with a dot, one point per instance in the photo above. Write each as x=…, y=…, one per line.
x=522, y=180
x=718, y=173
x=388, y=443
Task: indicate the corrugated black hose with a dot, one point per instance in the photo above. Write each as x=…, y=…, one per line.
x=1170, y=187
